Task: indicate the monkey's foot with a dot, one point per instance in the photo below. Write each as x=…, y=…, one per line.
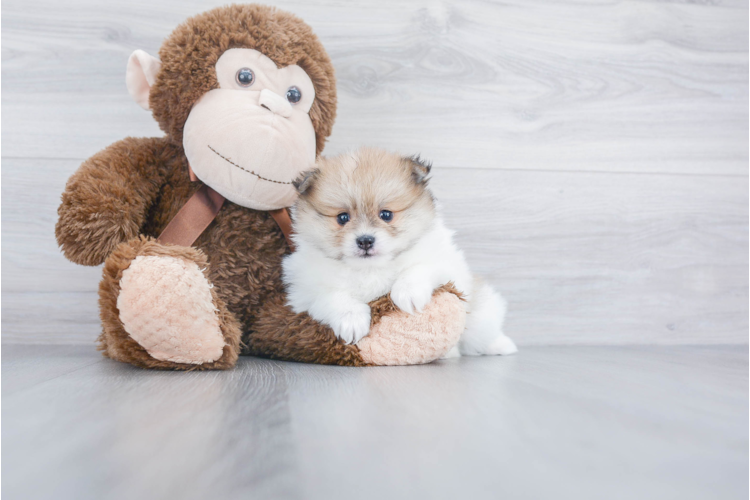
x=166, y=306
x=398, y=338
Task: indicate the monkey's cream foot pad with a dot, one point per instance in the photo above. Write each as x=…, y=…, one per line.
x=409, y=339
x=165, y=305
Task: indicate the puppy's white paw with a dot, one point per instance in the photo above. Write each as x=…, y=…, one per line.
x=411, y=296
x=353, y=324
x=502, y=345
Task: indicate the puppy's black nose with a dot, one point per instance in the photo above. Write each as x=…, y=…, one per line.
x=365, y=242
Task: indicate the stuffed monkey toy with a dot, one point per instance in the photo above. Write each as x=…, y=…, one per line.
x=191, y=226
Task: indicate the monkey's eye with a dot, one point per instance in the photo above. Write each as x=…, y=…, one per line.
x=386, y=215
x=245, y=77
x=293, y=95
x=342, y=218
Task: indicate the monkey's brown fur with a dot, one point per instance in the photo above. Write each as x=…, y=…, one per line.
x=122, y=198
x=189, y=56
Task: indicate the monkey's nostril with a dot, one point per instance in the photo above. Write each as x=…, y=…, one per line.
x=275, y=103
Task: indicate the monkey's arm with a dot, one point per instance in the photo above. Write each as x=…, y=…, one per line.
x=395, y=338
x=106, y=201
x=279, y=333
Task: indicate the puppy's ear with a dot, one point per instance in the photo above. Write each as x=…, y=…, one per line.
x=305, y=180
x=420, y=169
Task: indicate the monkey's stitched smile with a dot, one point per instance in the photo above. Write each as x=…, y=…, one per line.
x=244, y=169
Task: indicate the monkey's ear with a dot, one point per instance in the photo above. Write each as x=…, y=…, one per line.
x=141, y=75
x=420, y=169
x=305, y=180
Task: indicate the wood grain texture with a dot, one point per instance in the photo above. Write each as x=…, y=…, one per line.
x=582, y=257
x=602, y=86
x=553, y=422
x=591, y=155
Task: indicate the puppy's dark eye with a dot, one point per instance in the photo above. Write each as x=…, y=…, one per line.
x=342, y=218
x=245, y=77
x=386, y=215
x=293, y=95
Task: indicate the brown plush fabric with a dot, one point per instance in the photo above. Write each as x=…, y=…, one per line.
x=108, y=200
x=189, y=55
x=126, y=194
x=309, y=342
x=122, y=198
x=115, y=341
x=281, y=334
x=244, y=248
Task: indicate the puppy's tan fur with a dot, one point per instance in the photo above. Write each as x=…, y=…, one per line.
x=342, y=265
x=363, y=184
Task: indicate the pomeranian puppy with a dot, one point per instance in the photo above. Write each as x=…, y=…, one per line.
x=366, y=224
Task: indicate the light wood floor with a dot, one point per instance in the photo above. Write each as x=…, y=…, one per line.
x=551, y=422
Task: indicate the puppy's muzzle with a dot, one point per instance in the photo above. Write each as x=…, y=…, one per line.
x=366, y=242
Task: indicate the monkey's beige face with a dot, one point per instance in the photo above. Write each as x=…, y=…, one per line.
x=251, y=137
x=368, y=206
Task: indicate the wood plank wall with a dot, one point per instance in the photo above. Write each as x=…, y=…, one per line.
x=592, y=156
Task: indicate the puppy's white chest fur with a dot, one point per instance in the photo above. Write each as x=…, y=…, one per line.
x=311, y=276
x=369, y=283
x=366, y=225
